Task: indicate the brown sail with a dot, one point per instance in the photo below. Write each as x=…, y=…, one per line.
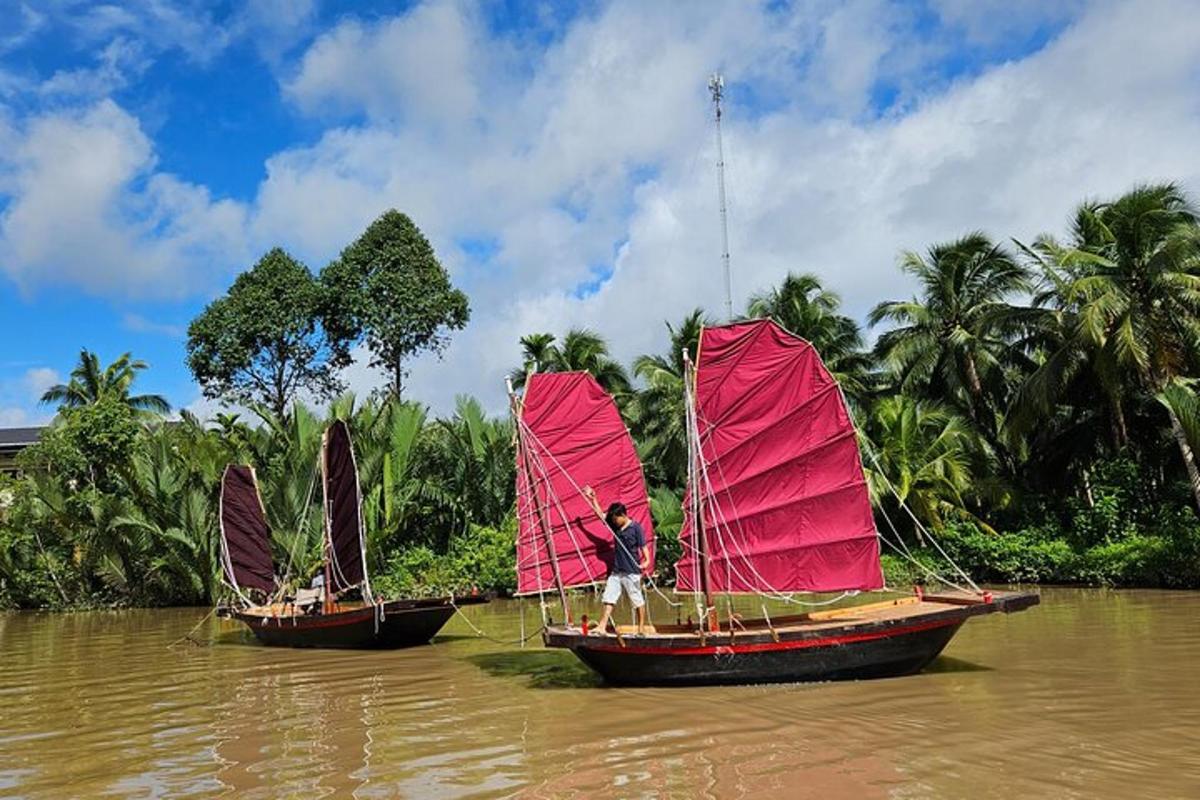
x=245, y=536
x=343, y=512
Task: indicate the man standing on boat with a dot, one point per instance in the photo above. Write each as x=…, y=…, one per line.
x=630, y=559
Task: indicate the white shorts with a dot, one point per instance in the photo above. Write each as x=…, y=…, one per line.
x=629, y=584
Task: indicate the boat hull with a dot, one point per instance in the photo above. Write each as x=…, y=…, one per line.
x=897, y=641
x=394, y=624
x=883, y=657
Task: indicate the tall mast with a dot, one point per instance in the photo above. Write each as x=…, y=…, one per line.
x=543, y=522
x=327, y=599
x=716, y=85
x=694, y=457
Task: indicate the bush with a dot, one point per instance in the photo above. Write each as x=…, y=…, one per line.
x=483, y=558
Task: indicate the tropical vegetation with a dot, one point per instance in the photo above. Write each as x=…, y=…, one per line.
x=1032, y=408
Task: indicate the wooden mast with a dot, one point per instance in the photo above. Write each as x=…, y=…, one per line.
x=696, y=456
x=327, y=599
x=543, y=523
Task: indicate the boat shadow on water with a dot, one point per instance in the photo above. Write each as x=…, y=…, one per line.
x=542, y=669
x=952, y=664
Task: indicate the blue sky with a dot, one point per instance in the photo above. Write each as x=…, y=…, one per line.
x=558, y=155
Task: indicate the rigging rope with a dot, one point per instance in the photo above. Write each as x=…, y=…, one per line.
x=482, y=635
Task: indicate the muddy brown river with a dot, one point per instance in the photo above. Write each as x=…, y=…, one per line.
x=1094, y=694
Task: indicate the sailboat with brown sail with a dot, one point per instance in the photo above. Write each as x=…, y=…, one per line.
x=777, y=506
x=324, y=616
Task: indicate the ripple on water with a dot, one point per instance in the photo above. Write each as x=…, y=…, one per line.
x=1088, y=695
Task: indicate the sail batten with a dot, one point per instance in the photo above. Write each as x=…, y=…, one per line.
x=571, y=435
x=343, y=512
x=246, y=558
x=781, y=489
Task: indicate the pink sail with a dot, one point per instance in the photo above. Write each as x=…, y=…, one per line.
x=785, y=505
x=572, y=436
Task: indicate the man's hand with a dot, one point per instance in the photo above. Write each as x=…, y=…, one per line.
x=589, y=493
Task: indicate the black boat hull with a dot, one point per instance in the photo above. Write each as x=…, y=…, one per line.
x=883, y=657
x=883, y=640
x=403, y=623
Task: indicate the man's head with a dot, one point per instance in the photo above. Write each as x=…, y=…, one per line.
x=617, y=515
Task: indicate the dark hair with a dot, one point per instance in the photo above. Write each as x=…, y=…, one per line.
x=615, y=510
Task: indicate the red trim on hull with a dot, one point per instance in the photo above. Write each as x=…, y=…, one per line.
x=798, y=644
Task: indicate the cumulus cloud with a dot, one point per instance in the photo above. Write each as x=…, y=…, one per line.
x=86, y=208
x=601, y=153
x=567, y=179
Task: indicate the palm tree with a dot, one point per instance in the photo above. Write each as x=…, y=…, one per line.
x=1130, y=281
x=954, y=341
x=922, y=459
x=660, y=414
x=801, y=305
x=89, y=384
x=579, y=350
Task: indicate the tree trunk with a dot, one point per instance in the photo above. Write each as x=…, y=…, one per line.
x=398, y=379
x=1120, y=432
x=1189, y=457
x=973, y=383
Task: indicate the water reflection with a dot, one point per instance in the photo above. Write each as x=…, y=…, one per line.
x=1089, y=695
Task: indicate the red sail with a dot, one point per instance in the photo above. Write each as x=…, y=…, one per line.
x=343, y=512
x=785, y=505
x=245, y=536
x=572, y=436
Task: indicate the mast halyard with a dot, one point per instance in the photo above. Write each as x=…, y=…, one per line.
x=540, y=512
x=716, y=85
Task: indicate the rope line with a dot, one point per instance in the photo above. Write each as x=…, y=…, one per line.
x=482, y=635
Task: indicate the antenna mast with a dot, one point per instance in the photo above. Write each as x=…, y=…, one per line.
x=716, y=85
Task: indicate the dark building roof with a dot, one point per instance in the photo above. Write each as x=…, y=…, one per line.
x=19, y=438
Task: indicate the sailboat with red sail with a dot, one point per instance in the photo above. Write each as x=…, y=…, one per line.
x=777, y=506
x=570, y=435
x=317, y=617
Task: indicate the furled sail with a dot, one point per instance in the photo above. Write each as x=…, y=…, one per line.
x=572, y=436
x=245, y=536
x=343, y=511
x=782, y=495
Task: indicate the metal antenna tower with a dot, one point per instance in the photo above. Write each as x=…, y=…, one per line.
x=716, y=85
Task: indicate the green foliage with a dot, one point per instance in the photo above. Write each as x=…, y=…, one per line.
x=482, y=559
x=580, y=350
x=389, y=286
x=263, y=341
x=90, y=384
x=804, y=307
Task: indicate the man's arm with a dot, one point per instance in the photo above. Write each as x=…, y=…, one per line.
x=590, y=494
x=643, y=549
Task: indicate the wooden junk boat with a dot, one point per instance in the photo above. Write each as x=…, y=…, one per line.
x=317, y=617
x=777, y=504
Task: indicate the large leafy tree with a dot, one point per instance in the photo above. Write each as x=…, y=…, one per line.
x=579, y=350
x=90, y=384
x=803, y=306
x=389, y=287
x=1128, y=284
x=264, y=340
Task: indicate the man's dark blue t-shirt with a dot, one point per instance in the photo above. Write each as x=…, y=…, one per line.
x=629, y=543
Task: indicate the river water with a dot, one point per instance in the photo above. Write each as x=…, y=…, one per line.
x=1092, y=694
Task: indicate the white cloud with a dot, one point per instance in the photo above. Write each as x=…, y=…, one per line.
x=140, y=324
x=38, y=379
x=553, y=166
x=86, y=208
x=597, y=151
